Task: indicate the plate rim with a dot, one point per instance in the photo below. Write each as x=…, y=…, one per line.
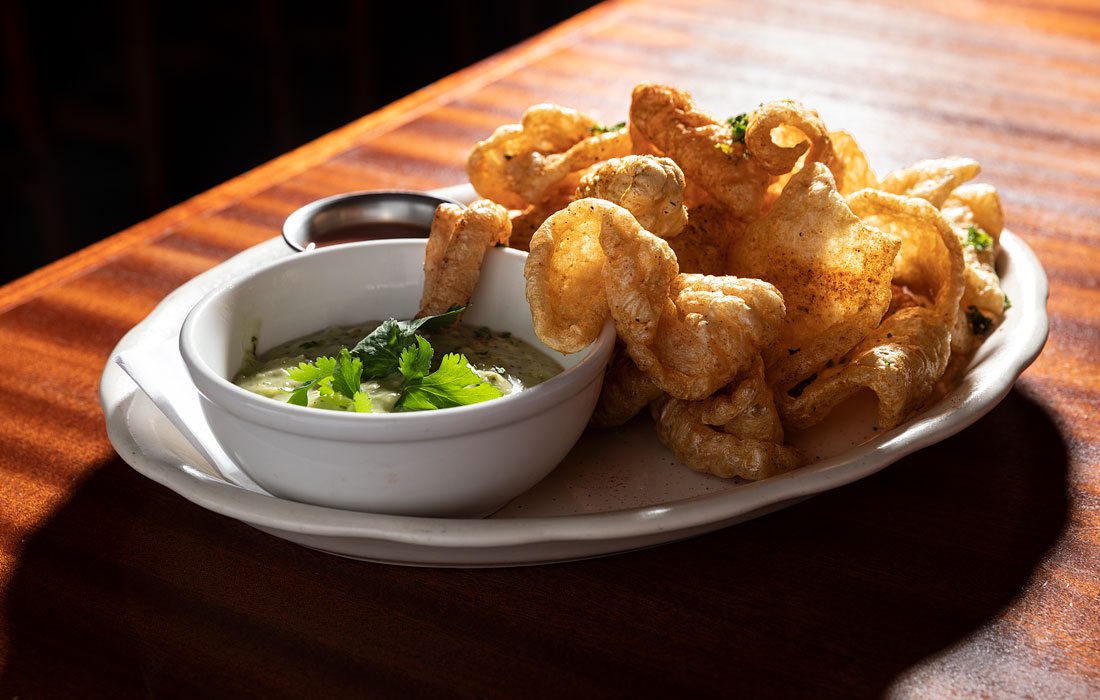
x=991, y=380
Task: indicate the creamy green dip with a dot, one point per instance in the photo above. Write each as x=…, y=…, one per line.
x=506, y=362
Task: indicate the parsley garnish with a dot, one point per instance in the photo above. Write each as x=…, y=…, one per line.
x=739, y=125
x=978, y=239
x=1008, y=303
x=606, y=128
x=332, y=377
x=453, y=384
x=314, y=374
x=979, y=323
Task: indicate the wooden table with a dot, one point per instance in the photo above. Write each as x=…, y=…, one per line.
x=970, y=568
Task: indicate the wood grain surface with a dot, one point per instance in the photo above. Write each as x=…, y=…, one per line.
x=969, y=569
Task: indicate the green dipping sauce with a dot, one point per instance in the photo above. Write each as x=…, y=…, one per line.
x=501, y=359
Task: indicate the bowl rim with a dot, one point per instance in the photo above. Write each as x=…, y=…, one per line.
x=300, y=217
x=371, y=427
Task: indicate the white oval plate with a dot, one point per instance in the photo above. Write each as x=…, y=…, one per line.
x=617, y=491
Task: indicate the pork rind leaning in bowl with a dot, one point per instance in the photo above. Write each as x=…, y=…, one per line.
x=519, y=164
x=456, y=245
x=833, y=270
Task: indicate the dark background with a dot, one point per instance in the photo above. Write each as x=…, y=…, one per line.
x=112, y=111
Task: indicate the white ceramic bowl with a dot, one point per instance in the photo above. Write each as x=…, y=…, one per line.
x=455, y=462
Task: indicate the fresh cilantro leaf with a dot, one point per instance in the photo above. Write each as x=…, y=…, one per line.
x=313, y=371
x=980, y=324
x=978, y=239
x=739, y=125
x=362, y=402
x=381, y=350
x=346, y=378
x=313, y=374
x=606, y=128
x=416, y=360
x=453, y=384
x=1008, y=303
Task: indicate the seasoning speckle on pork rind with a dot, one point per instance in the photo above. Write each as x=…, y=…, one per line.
x=702, y=246
x=650, y=188
x=564, y=273
x=519, y=164
x=626, y=391
x=454, y=252
x=735, y=433
x=933, y=180
x=833, y=271
x=702, y=147
x=900, y=362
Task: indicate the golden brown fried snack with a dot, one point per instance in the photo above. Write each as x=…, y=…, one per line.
x=667, y=117
x=905, y=357
x=833, y=271
x=526, y=222
x=626, y=391
x=690, y=333
x=857, y=170
x=901, y=362
x=983, y=303
x=933, y=180
x=702, y=246
x=520, y=163
x=456, y=245
x=730, y=434
x=650, y=188
x=564, y=273
x=803, y=133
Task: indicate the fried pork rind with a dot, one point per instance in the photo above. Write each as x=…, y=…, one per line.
x=691, y=334
x=701, y=247
x=857, y=170
x=900, y=362
x=833, y=271
x=667, y=117
x=626, y=391
x=803, y=133
x=979, y=206
x=652, y=189
x=526, y=222
x=456, y=245
x=733, y=433
x=564, y=273
x=904, y=358
x=933, y=180
x=519, y=164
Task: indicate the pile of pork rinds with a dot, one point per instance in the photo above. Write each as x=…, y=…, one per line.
x=757, y=271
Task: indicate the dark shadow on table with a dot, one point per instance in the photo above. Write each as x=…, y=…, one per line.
x=130, y=590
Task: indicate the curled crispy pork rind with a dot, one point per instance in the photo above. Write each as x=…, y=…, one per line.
x=733, y=433
x=900, y=362
x=668, y=118
x=833, y=271
x=519, y=164
x=904, y=358
x=803, y=133
x=857, y=170
x=933, y=180
x=626, y=391
x=564, y=273
x=691, y=334
x=650, y=188
x=456, y=245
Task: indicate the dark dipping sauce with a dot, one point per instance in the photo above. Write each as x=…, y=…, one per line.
x=365, y=231
x=501, y=359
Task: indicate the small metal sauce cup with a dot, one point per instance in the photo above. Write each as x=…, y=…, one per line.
x=361, y=216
